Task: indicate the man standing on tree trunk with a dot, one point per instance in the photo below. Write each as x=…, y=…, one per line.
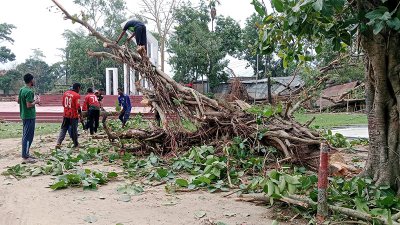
x=138, y=30
x=72, y=111
x=125, y=103
x=27, y=102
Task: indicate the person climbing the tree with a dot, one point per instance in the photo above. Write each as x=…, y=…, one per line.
x=125, y=103
x=92, y=104
x=72, y=114
x=138, y=30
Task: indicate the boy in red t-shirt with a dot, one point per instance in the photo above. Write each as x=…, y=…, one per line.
x=93, y=106
x=72, y=114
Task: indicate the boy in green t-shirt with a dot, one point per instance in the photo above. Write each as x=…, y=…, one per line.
x=27, y=102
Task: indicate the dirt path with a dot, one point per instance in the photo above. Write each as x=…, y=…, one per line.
x=30, y=202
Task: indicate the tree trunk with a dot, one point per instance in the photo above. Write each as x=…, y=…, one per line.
x=383, y=107
x=162, y=51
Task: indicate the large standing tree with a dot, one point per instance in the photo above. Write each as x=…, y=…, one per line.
x=375, y=25
x=36, y=65
x=5, y=53
x=107, y=17
x=11, y=82
x=162, y=13
x=196, y=51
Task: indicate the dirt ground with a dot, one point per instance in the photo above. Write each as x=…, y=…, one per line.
x=31, y=202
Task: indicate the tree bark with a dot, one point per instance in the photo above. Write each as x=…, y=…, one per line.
x=383, y=107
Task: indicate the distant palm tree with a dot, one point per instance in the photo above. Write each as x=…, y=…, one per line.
x=213, y=11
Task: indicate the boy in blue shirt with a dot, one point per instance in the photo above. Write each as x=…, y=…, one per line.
x=125, y=103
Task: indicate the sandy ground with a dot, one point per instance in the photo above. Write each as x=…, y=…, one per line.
x=30, y=202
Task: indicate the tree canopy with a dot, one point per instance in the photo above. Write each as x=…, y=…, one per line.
x=297, y=31
x=5, y=53
x=197, y=52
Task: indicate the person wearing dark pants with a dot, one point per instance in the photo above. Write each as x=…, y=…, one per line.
x=27, y=102
x=125, y=103
x=72, y=124
x=93, y=120
x=71, y=116
x=138, y=30
x=92, y=103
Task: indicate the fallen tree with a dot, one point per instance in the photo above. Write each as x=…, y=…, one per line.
x=216, y=120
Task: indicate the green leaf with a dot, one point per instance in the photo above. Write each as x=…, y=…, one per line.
x=386, y=16
x=124, y=198
x=216, y=172
x=379, y=212
x=220, y=223
x=318, y=49
x=275, y=222
x=394, y=23
x=258, y=7
x=377, y=13
x=59, y=185
x=317, y=5
x=162, y=172
x=73, y=179
x=200, y=214
x=278, y=5
x=112, y=175
x=285, y=63
x=361, y=205
x=204, y=179
x=36, y=171
x=378, y=27
x=85, y=183
x=182, y=182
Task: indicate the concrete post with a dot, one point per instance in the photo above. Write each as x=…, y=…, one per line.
x=115, y=81
x=132, y=86
x=126, y=75
x=108, y=91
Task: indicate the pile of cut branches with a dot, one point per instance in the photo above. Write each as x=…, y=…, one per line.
x=237, y=91
x=215, y=120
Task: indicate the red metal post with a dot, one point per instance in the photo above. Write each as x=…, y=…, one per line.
x=322, y=208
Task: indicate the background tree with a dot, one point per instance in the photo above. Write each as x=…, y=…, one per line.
x=11, y=82
x=104, y=15
x=80, y=67
x=162, y=13
x=5, y=53
x=376, y=25
x=36, y=65
x=107, y=17
x=196, y=52
x=230, y=33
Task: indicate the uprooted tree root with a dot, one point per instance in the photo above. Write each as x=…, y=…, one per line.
x=214, y=119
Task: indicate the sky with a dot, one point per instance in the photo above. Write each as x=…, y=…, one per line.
x=40, y=26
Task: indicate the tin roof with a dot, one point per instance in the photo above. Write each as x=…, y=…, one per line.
x=335, y=92
x=258, y=89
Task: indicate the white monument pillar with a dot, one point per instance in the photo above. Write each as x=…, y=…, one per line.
x=126, y=75
x=114, y=72
x=132, y=86
x=108, y=91
x=115, y=81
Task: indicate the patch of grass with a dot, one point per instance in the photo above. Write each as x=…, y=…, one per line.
x=329, y=120
x=14, y=130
